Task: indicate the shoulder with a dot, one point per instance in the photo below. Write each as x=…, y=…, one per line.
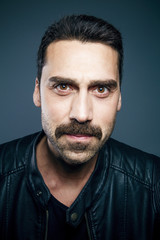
x=134, y=162
x=13, y=154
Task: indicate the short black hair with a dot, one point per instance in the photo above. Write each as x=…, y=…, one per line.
x=85, y=29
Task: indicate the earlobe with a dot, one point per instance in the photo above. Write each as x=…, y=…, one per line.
x=119, y=103
x=36, y=94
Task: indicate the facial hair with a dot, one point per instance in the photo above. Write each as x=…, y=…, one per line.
x=75, y=153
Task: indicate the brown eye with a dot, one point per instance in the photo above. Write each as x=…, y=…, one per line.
x=101, y=89
x=63, y=86
x=63, y=89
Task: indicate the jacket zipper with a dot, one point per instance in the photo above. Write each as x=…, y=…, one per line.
x=88, y=229
x=46, y=230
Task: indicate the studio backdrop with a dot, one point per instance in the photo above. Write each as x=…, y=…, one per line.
x=22, y=25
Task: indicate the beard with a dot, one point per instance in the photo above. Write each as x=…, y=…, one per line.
x=77, y=152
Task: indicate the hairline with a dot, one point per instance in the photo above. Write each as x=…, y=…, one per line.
x=79, y=40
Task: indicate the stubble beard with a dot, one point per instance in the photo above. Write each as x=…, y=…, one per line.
x=74, y=153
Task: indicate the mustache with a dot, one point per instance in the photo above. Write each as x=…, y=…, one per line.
x=76, y=128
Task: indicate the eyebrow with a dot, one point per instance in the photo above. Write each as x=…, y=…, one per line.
x=108, y=82
x=57, y=79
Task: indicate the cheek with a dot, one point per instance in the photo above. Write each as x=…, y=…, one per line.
x=54, y=109
x=105, y=119
x=105, y=114
x=105, y=111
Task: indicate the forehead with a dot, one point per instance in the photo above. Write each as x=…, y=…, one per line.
x=78, y=60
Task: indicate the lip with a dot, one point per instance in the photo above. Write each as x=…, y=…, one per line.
x=79, y=138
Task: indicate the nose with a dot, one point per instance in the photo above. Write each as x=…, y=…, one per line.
x=81, y=107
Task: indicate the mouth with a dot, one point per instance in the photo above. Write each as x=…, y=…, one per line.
x=79, y=137
x=80, y=132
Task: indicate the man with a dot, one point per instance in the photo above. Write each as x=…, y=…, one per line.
x=72, y=181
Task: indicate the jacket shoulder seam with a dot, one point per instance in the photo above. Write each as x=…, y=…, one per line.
x=13, y=171
x=132, y=176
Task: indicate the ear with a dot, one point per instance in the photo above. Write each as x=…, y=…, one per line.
x=119, y=103
x=36, y=94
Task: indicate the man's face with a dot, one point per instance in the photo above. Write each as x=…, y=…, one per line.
x=79, y=97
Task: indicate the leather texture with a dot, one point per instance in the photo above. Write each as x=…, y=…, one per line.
x=121, y=200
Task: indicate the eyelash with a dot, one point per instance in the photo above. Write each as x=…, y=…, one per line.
x=102, y=87
x=106, y=92
x=62, y=91
x=61, y=85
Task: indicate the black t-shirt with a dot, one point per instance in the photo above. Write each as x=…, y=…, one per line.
x=58, y=229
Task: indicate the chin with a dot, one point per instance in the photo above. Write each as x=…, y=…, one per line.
x=77, y=159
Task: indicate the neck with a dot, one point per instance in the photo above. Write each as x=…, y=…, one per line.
x=60, y=177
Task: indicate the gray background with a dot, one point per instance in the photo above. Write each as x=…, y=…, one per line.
x=22, y=25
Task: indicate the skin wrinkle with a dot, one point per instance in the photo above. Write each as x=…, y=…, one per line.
x=79, y=110
x=57, y=79
x=77, y=147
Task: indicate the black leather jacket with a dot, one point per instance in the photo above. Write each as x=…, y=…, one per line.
x=121, y=200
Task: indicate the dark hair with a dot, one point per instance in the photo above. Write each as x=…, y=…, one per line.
x=85, y=29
